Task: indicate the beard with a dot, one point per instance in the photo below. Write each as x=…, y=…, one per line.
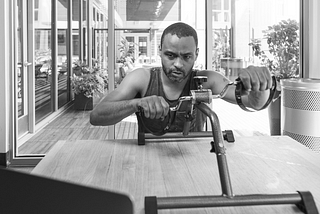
x=176, y=75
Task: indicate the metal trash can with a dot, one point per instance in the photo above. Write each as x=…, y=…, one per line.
x=301, y=111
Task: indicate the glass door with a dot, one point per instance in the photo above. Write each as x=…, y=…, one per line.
x=34, y=64
x=42, y=54
x=260, y=33
x=33, y=75
x=25, y=80
x=23, y=70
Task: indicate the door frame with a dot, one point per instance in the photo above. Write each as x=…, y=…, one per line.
x=26, y=70
x=14, y=158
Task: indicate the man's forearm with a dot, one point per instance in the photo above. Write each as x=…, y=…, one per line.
x=112, y=112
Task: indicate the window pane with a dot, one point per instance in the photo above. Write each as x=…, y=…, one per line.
x=226, y=4
x=100, y=35
x=226, y=17
x=252, y=19
x=43, y=66
x=62, y=73
x=216, y=5
x=257, y=32
x=84, y=31
x=140, y=25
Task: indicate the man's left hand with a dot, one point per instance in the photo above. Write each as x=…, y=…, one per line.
x=255, y=79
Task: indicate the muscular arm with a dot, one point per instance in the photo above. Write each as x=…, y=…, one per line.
x=121, y=102
x=109, y=113
x=257, y=82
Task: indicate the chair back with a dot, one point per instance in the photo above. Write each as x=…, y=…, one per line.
x=27, y=193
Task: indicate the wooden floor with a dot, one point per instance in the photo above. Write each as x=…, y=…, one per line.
x=75, y=125
x=242, y=123
x=71, y=125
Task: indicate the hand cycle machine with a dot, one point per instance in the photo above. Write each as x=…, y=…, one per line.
x=144, y=133
x=303, y=200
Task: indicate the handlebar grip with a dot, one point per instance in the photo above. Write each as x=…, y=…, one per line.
x=239, y=88
x=204, y=95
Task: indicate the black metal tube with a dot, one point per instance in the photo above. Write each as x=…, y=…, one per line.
x=186, y=128
x=219, y=149
x=223, y=201
x=179, y=135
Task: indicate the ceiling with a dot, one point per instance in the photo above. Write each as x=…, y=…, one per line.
x=145, y=10
x=148, y=10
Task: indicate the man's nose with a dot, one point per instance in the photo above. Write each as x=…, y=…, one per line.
x=178, y=62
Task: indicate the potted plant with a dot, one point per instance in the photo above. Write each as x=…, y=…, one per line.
x=282, y=59
x=86, y=83
x=126, y=60
x=221, y=48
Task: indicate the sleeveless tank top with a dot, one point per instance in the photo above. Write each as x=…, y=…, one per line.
x=174, y=121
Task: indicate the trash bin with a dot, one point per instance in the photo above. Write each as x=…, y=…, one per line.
x=231, y=67
x=301, y=111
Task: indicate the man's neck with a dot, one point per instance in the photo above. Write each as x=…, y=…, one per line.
x=172, y=89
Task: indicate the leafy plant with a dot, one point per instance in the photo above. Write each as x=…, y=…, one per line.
x=91, y=81
x=283, y=44
x=126, y=60
x=221, y=48
x=126, y=49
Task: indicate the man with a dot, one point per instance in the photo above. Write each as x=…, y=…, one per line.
x=151, y=92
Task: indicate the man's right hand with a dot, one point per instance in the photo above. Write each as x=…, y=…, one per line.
x=154, y=107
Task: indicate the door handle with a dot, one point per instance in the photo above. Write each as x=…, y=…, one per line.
x=26, y=64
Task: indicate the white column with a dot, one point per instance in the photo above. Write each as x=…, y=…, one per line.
x=314, y=43
x=111, y=54
x=6, y=92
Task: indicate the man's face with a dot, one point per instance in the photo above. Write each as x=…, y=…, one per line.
x=178, y=56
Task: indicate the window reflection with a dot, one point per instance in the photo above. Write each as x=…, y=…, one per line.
x=139, y=26
x=62, y=59
x=84, y=31
x=251, y=20
x=42, y=53
x=21, y=77
x=142, y=26
x=100, y=37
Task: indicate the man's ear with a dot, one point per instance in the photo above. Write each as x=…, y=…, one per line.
x=197, y=52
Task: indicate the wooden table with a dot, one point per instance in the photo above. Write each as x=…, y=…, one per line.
x=185, y=167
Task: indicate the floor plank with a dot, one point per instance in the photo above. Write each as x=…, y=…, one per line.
x=74, y=124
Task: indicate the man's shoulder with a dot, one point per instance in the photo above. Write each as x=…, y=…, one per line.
x=147, y=69
x=139, y=76
x=140, y=71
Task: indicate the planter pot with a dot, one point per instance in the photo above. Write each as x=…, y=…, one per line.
x=274, y=111
x=82, y=102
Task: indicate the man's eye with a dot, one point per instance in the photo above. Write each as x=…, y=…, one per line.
x=170, y=56
x=187, y=56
